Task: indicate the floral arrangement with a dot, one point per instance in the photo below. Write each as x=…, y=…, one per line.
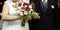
x=26, y=10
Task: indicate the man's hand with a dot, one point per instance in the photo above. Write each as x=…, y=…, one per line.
x=28, y=18
x=36, y=16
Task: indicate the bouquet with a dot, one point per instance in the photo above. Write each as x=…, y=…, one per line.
x=26, y=10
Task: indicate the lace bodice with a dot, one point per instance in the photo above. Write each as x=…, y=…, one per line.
x=12, y=10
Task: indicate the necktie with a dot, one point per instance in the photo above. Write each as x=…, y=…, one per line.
x=45, y=4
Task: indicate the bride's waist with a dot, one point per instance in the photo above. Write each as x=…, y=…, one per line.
x=16, y=21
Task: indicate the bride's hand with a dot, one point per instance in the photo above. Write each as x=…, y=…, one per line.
x=30, y=18
x=20, y=17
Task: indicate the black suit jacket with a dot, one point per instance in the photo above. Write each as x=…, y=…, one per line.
x=46, y=22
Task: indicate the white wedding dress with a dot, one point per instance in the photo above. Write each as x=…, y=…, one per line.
x=13, y=25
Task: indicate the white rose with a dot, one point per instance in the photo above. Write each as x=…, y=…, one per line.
x=21, y=14
x=25, y=12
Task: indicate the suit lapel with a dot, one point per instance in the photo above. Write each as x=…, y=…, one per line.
x=42, y=6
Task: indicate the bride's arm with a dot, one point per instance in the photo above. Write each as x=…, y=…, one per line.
x=5, y=15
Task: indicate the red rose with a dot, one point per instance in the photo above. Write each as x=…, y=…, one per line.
x=25, y=4
x=23, y=8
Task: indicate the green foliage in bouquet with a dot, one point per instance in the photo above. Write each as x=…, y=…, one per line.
x=26, y=18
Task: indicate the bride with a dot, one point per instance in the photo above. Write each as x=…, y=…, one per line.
x=11, y=21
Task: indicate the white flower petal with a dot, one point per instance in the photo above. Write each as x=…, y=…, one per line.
x=25, y=5
x=25, y=12
x=30, y=6
x=21, y=13
x=31, y=9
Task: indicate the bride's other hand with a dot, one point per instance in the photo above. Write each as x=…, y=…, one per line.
x=20, y=17
x=36, y=16
x=29, y=18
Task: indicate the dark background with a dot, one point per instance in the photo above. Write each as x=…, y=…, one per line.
x=1, y=6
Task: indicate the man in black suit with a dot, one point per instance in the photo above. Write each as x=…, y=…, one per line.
x=46, y=12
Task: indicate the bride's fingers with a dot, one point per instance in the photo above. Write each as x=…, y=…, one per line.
x=29, y=18
x=26, y=20
x=35, y=17
x=38, y=17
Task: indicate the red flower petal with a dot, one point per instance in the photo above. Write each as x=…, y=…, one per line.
x=23, y=8
x=25, y=4
x=33, y=7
